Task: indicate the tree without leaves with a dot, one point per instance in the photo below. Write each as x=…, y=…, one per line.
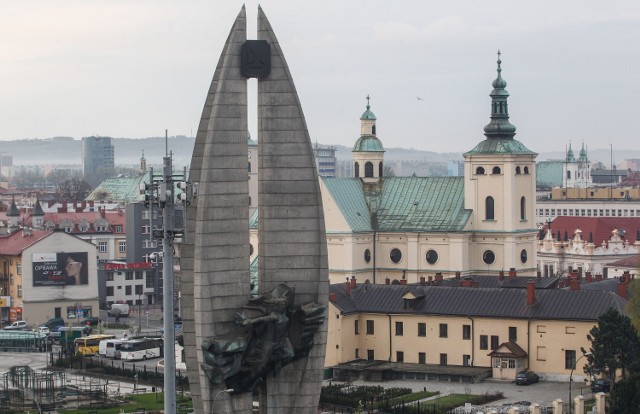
x=72, y=190
x=614, y=346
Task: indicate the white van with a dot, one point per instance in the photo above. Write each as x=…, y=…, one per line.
x=109, y=347
x=121, y=309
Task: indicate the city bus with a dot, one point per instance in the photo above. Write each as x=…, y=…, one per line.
x=109, y=347
x=135, y=349
x=89, y=345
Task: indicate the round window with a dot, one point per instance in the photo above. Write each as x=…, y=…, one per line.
x=523, y=256
x=488, y=257
x=367, y=256
x=396, y=255
x=250, y=249
x=432, y=257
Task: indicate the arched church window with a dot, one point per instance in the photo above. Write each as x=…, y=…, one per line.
x=368, y=170
x=496, y=170
x=526, y=170
x=249, y=167
x=518, y=170
x=380, y=170
x=373, y=130
x=250, y=249
x=480, y=171
x=523, y=208
x=356, y=169
x=488, y=208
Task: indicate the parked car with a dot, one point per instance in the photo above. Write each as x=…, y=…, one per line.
x=54, y=323
x=17, y=326
x=93, y=320
x=526, y=377
x=601, y=385
x=44, y=330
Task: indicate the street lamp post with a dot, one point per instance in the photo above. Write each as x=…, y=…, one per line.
x=584, y=354
x=139, y=317
x=219, y=393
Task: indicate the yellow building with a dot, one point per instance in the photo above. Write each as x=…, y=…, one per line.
x=429, y=331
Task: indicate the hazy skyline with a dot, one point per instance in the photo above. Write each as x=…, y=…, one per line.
x=133, y=69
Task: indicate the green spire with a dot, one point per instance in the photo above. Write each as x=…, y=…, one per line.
x=570, y=156
x=583, y=154
x=499, y=127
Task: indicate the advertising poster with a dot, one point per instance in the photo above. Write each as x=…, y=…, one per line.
x=60, y=269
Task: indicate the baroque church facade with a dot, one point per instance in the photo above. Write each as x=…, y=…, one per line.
x=398, y=230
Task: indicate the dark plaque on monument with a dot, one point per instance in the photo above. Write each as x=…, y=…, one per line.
x=256, y=59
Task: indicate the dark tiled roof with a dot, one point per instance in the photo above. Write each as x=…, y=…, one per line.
x=557, y=304
x=509, y=349
x=599, y=227
x=518, y=282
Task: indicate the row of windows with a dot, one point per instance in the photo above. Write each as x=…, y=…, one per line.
x=422, y=357
x=431, y=257
x=489, y=208
x=443, y=332
x=368, y=169
x=68, y=227
x=497, y=170
x=127, y=290
x=588, y=212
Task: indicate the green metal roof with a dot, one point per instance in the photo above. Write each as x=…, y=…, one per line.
x=500, y=146
x=368, y=115
x=119, y=189
x=404, y=204
x=368, y=143
x=422, y=204
x=253, y=220
x=349, y=196
x=549, y=174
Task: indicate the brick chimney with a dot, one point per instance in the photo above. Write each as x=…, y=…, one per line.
x=538, y=274
x=333, y=298
x=622, y=290
x=457, y=274
x=439, y=277
x=627, y=276
x=598, y=277
x=588, y=277
x=560, y=285
x=501, y=275
x=387, y=281
x=353, y=282
x=403, y=281
x=466, y=282
x=430, y=278
x=531, y=292
x=512, y=273
x=422, y=280
x=347, y=288
x=574, y=284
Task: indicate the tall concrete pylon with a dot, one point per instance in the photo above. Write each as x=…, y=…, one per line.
x=215, y=275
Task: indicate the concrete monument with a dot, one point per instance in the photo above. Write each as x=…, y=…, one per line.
x=292, y=248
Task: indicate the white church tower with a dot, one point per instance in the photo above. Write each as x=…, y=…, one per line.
x=577, y=172
x=368, y=152
x=500, y=184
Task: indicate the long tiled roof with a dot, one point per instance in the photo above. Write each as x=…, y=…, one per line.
x=549, y=174
x=349, y=196
x=422, y=204
x=404, y=204
x=119, y=189
x=553, y=304
x=13, y=244
x=633, y=261
x=599, y=227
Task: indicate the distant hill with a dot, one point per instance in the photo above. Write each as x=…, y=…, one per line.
x=67, y=150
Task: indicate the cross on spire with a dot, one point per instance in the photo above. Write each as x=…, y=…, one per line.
x=368, y=101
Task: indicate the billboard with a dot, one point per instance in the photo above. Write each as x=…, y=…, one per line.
x=60, y=269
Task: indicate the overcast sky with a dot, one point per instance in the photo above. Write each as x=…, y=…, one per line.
x=135, y=68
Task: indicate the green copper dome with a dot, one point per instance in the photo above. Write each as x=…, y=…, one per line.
x=368, y=143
